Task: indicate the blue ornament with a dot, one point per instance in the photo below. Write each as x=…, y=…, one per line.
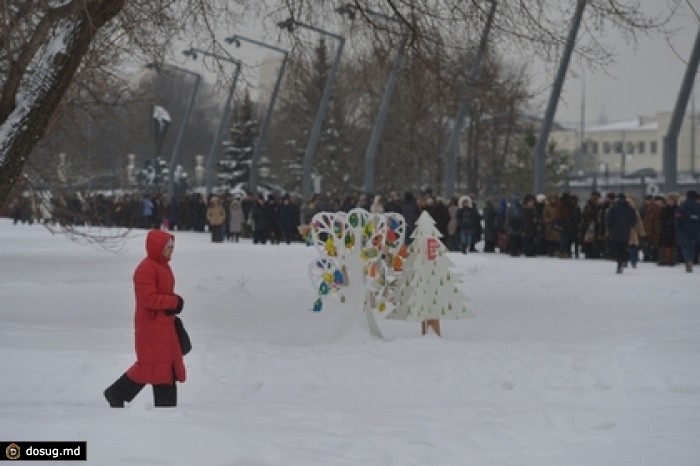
x=318, y=305
x=323, y=288
x=338, y=276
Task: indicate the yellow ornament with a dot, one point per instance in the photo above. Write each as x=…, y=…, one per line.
x=381, y=307
x=330, y=247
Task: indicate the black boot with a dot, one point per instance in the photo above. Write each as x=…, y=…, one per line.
x=123, y=389
x=165, y=396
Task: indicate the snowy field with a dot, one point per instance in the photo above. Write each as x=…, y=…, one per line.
x=563, y=363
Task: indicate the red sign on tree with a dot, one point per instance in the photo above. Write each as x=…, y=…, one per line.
x=433, y=248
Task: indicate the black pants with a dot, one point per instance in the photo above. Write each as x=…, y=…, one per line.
x=124, y=390
x=619, y=251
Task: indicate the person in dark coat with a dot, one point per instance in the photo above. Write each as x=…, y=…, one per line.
x=514, y=226
x=159, y=360
x=667, y=239
x=273, y=230
x=410, y=212
x=688, y=228
x=286, y=221
x=465, y=223
x=620, y=219
x=589, y=231
x=530, y=226
x=259, y=219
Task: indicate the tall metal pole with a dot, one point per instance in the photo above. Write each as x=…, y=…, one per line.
x=674, y=127
x=216, y=142
x=371, y=153
x=262, y=137
x=178, y=143
x=541, y=144
x=450, y=157
x=693, y=119
x=583, y=148
x=322, y=108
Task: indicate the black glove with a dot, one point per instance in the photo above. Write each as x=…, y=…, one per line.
x=178, y=309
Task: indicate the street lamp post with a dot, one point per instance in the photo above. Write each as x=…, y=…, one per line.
x=216, y=142
x=370, y=154
x=450, y=157
x=190, y=104
x=290, y=24
x=262, y=137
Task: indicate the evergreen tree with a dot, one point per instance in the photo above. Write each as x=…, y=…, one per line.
x=234, y=166
x=518, y=176
x=335, y=159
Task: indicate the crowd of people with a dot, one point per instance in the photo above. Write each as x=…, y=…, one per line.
x=660, y=229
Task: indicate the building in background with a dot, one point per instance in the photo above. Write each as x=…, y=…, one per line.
x=630, y=153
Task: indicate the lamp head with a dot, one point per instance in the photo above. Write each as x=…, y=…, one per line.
x=287, y=24
x=233, y=40
x=190, y=53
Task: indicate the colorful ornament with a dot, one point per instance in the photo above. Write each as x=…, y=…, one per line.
x=349, y=240
x=369, y=253
x=338, y=277
x=318, y=305
x=324, y=288
x=330, y=247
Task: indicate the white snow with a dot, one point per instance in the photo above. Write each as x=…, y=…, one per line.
x=563, y=363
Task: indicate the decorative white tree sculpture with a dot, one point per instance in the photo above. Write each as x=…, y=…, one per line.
x=427, y=290
x=359, y=258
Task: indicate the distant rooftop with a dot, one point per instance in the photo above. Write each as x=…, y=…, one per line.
x=627, y=125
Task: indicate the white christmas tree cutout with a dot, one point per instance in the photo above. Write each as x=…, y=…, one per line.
x=427, y=288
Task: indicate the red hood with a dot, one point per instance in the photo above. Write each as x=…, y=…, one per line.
x=155, y=243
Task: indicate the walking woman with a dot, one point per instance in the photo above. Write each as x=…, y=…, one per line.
x=159, y=360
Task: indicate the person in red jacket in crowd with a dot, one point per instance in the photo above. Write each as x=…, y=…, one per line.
x=159, y=360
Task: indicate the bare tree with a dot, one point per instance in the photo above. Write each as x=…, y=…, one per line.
x=45, y=45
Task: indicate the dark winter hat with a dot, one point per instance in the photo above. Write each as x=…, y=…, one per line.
x=621, y=196
x=692, y=195
x=610, y=196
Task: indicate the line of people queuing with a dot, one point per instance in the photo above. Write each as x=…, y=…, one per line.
x=661, y=229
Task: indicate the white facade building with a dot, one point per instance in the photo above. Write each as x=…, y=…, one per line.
x=625, y=147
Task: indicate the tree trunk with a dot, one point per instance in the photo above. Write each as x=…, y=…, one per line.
x=57, y=63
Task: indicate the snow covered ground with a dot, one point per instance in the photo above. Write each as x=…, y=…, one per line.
x=563, y=363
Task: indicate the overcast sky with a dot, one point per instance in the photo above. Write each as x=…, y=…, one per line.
x=645, y=79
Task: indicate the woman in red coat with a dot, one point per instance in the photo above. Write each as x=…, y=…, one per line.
x=159, y=359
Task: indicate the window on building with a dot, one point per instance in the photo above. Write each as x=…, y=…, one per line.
x=606, y=148
x=630, y=148
x=652, y=147
x=618, y=147
x=641, y=147
x=594, y=147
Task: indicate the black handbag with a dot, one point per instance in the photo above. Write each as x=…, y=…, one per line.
x=182, y=336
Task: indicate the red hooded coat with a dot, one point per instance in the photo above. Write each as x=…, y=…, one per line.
x=158, y=355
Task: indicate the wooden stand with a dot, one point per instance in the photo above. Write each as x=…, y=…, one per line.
x=430, y=323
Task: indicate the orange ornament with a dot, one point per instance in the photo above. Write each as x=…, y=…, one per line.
x=397, y=263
